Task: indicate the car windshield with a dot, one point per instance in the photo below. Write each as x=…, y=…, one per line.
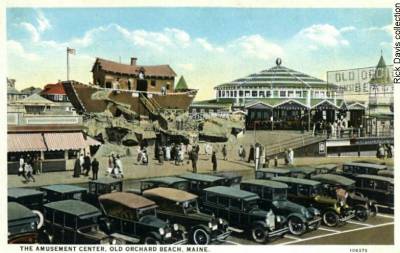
x=146, y=211
x=316, y=190
x=250, y=205
x=87, y=222
x=280, y=194
x=190, y=206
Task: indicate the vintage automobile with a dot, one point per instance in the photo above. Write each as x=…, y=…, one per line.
x=309, y=193
x=273, y=195
x=271, y=172
x=134, y=216
x=230, y=178
x=181, y=207
x=386, y=173
x=23, y=224
x=73, y=222
x=353, y=169
x=326, y=168
x=198, y=182
x=170, y=182
x=240, y=209
x=102, y=186
x=57, y=192
x=362, y=205
x=30, y=198
x=378, y=188
x=302, y=172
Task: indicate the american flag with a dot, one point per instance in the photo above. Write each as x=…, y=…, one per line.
x=71, y=50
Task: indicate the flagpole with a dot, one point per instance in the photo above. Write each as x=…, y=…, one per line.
x=67, y=64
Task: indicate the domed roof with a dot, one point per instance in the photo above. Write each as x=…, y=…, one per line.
x=280, y=77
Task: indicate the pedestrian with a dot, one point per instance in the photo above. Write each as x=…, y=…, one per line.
x=240, y=152
x=173, y=152
x=110, y=165
x=291, y=156
x=28, y=175
x=167, y=153
x=86, y=164
x=276, y=161
x=194, y=156
x=181, y=156
x=224, y=152
x=257, y=157
x=214, y=161
x=77, y=167
x=145, y=159
x=251, y=154
x=286, y=154
x=160, y=155
x=82, y=161
x=21, y=165
x=381, y=151
x=119, y=167
x=262, y=156
x=95, y=169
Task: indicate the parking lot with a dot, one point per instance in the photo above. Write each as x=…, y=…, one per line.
x=377, y=230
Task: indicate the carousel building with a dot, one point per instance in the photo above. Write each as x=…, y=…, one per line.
x=282, y=98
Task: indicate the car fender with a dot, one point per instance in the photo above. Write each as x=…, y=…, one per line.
x=41, y=218
x=301, y=217
x=155, y=235
x=261, y=223
x=202, y=226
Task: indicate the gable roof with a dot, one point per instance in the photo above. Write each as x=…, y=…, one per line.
x=277, y=77
x=115, y=67
x=181, y=85
x=54, y=88
x=35, y=99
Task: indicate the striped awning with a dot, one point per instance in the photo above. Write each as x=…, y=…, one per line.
x=64, y=141
x=92, y=142
x=25, y=142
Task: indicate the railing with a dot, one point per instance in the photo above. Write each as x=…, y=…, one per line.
x=350, y=133
x=293, y=143
x=42, y=119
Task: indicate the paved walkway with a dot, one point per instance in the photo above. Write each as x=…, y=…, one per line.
x=134, y=171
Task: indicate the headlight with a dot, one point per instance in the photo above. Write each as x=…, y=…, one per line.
x=210, y=225
x=176, y=227
x=161, y=230
x=113, y=241
x=220, y=221
x=278, y=219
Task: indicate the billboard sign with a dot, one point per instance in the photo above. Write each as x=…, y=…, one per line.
x=358, y=80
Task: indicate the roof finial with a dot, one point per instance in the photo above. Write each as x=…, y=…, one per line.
x=381, y=52
x=278, y=61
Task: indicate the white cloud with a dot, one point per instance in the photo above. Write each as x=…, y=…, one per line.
x=33, y=32
x=347, y=29
x=386, y=28
x=186, y=66
x=257, y=46
x=180, y=36
x=43, y=22
x=14, y=47
x=208, y=46
x=323, y=35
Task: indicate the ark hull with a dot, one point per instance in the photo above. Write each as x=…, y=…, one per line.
x=80, y=96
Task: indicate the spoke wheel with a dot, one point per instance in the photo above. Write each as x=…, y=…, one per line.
x=296, y=226
x=361, y=213
x=330, y=218
x=259, y=234
x=200, y=237
x=151, y=240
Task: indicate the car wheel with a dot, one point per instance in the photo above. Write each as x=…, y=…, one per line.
x=151, y=240
x=259, y=234
x=200, y=237
x=373, y=210
x=361, y=213
x=315, y=226
x=296, y=226
x=330, y=218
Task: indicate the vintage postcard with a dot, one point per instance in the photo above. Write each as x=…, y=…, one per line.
x=188, y=127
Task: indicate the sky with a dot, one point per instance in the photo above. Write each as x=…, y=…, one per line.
x=208, y=46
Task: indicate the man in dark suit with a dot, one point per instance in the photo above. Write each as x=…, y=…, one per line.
x=86, y=164
x=95, y=168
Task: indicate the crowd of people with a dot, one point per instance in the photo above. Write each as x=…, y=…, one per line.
x=29, y=165
x=332, y=129
x=84, y=164
x=384, y=151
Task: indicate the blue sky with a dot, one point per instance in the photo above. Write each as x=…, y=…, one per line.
x=208, y=46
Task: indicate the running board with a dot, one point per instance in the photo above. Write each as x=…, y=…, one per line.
x=237, y=230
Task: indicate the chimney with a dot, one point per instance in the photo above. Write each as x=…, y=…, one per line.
x=133, y=61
